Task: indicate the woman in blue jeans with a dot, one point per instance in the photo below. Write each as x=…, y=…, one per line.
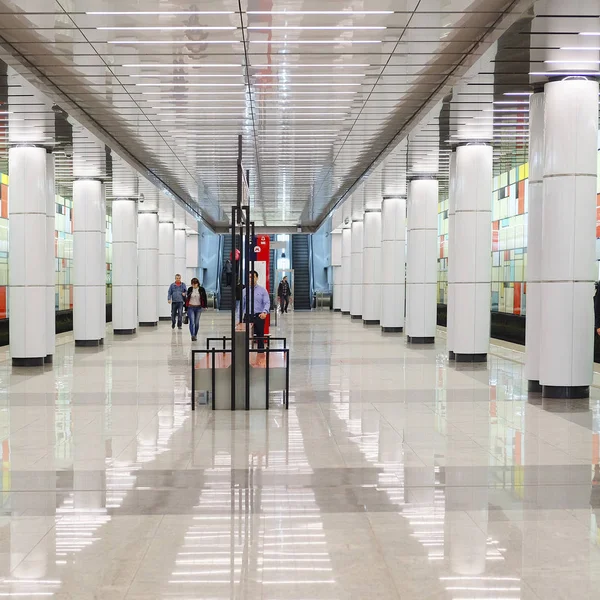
x=195, y=302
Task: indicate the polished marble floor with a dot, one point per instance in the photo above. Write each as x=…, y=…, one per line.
x=393, y=475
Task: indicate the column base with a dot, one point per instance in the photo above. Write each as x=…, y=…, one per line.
x=356, y=317
x=371, y=322
x=420, y=340
x=89, y=343
x=49, y=359
x=148, y=324
x=451, y=355
x=337, y=310
x=566, y=392
x=472, y=358
x=28, y=362
x=346, y=313
x=535, y=387
x=164, y=318
x=124, y=331
x=392, y=329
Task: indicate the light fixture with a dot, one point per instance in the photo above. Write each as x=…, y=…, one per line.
x=566, y=74
x=180, y=65
x=315, y=28
x=311, y=65
x=160, y=12
x=174, y=42
x=170, y=84
x=168, y=28
x=294, y=42
x=320, y=12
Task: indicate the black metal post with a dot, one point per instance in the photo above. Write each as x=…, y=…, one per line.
x=213, y=377
x=249, y=303
x=287, y=378
x=193, y=380
x=234, y=275
x=267, y=380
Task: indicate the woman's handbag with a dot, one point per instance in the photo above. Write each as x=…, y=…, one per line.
x=186, y=319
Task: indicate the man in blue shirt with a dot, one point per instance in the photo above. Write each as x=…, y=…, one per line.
x=262, y=306
x=176, y=297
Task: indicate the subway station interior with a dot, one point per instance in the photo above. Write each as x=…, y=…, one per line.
x=298, y=299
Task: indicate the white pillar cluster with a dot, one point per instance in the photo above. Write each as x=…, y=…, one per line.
x=450, y=298
x=50, y=266
x=180, y=254
x=568, y=237
x=166, y=267
x=336, y=266
x=356, y=265
x=393, y=264
x=27, y=256
x=421, y=272
x=346, y=269
x=192, y=257
x=472, y=268
x=125, y=252
x=125, y=255
x=89, y=239
x=89, y=262
x=371, y=301
x=533, y=332
x=148, y=268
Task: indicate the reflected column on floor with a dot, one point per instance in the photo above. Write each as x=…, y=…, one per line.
x=372, y=267
x=421, y=272
x=569, y=267
x=472, y=267
x=356, y=262
x=346, y=268
x=393, y=263
x=148, y=268
x=125, y=256
x=166, y=267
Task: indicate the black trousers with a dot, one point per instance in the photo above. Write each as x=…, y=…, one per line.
x=285, y=302
x=259, y=331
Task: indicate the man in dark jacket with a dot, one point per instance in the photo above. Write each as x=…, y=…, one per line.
x=284, y=293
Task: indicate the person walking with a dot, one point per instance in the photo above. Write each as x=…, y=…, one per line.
x=228, y=268
x=284, y=293
x=176, y=299
x=262, y=306
x=195, y=303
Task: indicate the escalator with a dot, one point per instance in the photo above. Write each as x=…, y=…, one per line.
x=301, y=266
x=226, y=292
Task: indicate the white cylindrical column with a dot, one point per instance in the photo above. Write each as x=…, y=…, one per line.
x=356, y=265
x=569, y=237
x=421, y=271
x=472, y=249
x=393, y=264
x=180, y=255
x=50, y=258
x=124, y=266
x=192, y=257
x=346, y=269
x=166, y=267
x=89, y=262
x=371, y=303
x=336, y=266
x=28, y=190
x=451, y=237
x=533, y=334
x=148, y=269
